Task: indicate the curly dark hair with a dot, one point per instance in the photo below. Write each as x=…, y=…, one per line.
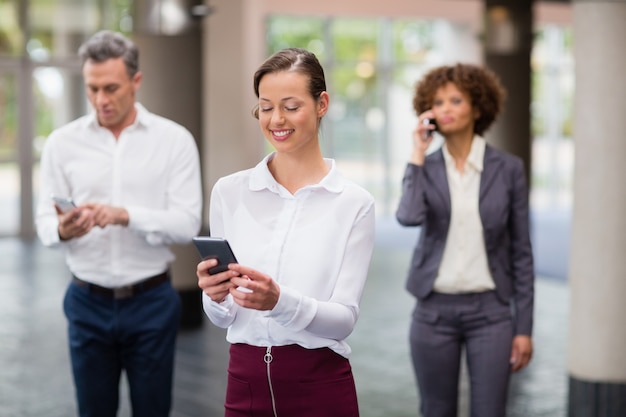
x=482, y=85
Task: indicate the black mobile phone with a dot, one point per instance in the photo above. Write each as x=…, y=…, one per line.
x=65, y=204
x=215, y=248
x=427, y=122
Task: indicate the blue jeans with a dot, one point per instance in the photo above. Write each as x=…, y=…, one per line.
x=137, y=335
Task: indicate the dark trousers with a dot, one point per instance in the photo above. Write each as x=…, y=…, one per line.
x=442, y=326
x=292, y=382
x=137, y=335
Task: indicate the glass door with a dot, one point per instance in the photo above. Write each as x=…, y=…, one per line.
x=41, y=89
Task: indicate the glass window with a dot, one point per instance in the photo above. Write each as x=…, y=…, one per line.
x=10, y=34
x=358, y=123
x=59, y=27
x=551, y=118
x=357, y=92
x=355, y=39
x=294, y=32
x=9, y=169
x=9, y=198
x=412, y=40
x=371, y=66
x=59, y=99
x=56, y=94
x=8, y=117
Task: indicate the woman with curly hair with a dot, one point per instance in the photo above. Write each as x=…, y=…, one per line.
x=472, y=269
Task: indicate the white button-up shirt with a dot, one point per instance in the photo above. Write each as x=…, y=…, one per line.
x=464, y=266
x=152, y=170
x=316, y=244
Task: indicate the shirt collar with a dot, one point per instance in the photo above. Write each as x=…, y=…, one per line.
x=262, y=178
x=142, y=119
x=476, y=155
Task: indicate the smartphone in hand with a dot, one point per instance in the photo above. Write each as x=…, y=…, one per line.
x=427, y=122
x=215, y=248
x=65, y=204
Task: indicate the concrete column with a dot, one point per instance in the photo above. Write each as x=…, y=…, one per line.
x=235, y=46
x=597, y=333
x=170, y=58
x=508, y=42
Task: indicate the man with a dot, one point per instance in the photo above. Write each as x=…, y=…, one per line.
x=135, y=179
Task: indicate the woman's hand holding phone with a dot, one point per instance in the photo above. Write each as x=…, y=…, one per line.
x=219, y=274
x=431, y=126
x=422, y=136
x=216, y=286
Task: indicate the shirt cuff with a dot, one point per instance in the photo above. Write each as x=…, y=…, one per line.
x=217, y=309
x=293, y=311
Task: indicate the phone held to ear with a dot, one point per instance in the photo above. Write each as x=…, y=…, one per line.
x=65, y=204
x=427, y=122
x=215, y=248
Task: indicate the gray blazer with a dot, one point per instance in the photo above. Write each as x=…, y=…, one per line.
x=503, y=207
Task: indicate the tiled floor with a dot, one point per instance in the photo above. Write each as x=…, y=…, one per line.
x=35, y=378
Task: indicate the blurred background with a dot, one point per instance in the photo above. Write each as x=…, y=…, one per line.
x=372, y=59
x=563, y=117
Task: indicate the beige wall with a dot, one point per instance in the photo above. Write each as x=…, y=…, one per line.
x=457, y=10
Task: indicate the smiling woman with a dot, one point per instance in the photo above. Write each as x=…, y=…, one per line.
x=287, y=312
x=289, y=115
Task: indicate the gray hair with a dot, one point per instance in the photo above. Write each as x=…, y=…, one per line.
x=106, y=45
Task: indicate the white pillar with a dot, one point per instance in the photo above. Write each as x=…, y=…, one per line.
x=597, y=334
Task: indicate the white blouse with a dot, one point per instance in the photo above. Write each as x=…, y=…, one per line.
x=464, y=267
x=316, y=244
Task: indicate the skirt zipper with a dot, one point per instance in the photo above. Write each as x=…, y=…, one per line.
x=268, y=358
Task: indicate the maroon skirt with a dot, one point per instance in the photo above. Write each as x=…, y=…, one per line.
x=287, y=381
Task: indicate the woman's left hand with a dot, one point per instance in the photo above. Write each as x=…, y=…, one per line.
x=521, y=353
x=257, y=291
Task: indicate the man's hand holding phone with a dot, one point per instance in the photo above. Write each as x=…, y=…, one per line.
x=73, y=221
